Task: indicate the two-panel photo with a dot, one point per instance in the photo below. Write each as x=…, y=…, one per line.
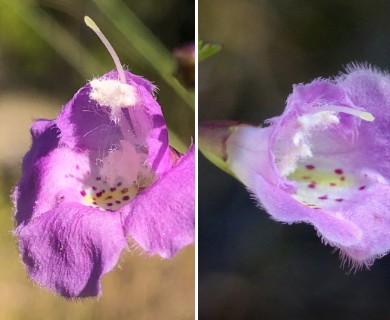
x=194, y=159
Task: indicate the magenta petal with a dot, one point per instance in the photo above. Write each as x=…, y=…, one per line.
x=70, y=248
x=161, y=218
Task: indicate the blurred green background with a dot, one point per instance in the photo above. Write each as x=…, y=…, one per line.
x=251, y=267
x=46, y=55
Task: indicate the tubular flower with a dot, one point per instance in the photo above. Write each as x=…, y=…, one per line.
x=325, y=161
x=100, y=173
x=95, y=176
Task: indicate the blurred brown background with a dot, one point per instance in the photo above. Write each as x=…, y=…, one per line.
x=46, y=55
x=251, y=267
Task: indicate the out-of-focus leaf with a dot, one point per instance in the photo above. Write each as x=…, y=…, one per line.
x=56, y=36
x=207, y=50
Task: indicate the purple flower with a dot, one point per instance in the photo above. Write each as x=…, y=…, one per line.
x=325, y=161
x=102, y=172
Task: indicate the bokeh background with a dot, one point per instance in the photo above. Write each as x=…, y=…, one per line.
x=46, y=55
x=251, y=267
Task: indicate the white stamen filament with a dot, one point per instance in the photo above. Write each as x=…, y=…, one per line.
x=90, y=23
x=364, y=115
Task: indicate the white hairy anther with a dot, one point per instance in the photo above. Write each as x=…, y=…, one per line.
x=113, y=94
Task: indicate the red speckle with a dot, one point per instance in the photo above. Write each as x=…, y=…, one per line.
x=98, y=178
x=332, y=184
x=311, y=185
x=77, y=167
x=109, y=197
x=94, y=188
x=339, y=200
x=342, y=178
x=83, y=193
x=126, y=198
x=94, y=203
x=317, y=208
x=310, y=167
x=109, y=204
x=323, y=197
x=338, y=171
x=362, y=188
x=124, y=190
x=112, y=189
x=306, y=177
x=118, y=202
x=99, y=194
x=119, y=184
x=103, y=191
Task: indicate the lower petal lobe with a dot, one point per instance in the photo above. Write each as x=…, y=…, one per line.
x=161, y=218
x=68, y=249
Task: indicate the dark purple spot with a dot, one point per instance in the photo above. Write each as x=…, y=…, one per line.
x=98, y=178
x=325, y=197
x=103, y=191
x=119, y=184
x=362, y=188
x=110, y=204
x=77, y=167
x=112, y=189
x=311, y=185
x=124, y=190
x=126, y=198
x=310, y=167
x=83, y=193
x=94, y=203
x=317, y=208
x=338, y=171
x=342, y=178
x=118, y=202
x=99, y=194
x=94, y=188
x=339, y=200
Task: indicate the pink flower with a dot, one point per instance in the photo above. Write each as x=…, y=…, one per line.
x=324, y=161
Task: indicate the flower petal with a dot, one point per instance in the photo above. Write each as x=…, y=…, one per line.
x=45, y=140
x=85, y=124
x=161, y=218
x=250, y=160
x=69, y=249
x=371, y=213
